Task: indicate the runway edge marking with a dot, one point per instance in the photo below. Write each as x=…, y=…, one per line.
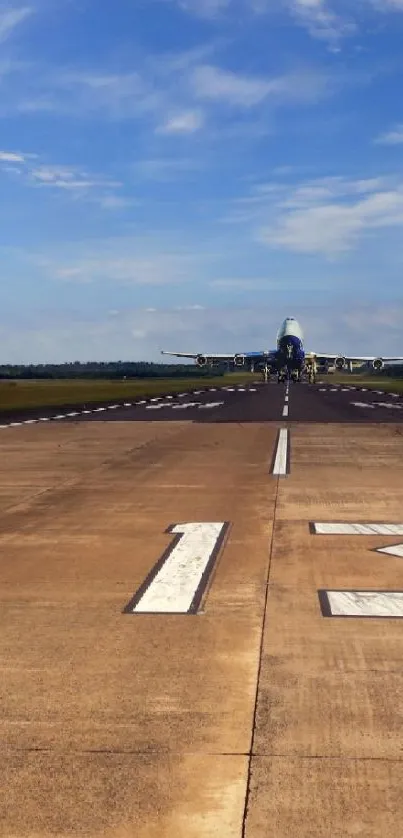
x=178, y=580
x=280, y=465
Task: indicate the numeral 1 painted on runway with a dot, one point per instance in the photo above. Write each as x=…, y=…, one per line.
x=177, y=582
x=373, y=604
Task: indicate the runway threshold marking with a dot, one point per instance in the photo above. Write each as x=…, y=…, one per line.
x=361, y=603
x=178, y=580
x=281, y=462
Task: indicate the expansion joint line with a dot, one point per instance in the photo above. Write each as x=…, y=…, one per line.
x=263, y=628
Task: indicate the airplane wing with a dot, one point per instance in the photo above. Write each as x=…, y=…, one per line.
x=340, y=360
x=195, y=355
x=203, y=358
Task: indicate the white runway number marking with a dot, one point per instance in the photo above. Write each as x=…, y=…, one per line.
x=361, y=603
x=177, y=582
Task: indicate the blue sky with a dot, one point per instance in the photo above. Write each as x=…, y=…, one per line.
x=186, y=173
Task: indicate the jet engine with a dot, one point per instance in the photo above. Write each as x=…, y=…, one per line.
x=378, y=364
x=201, y=361
x=239, y=360
x=340, y=363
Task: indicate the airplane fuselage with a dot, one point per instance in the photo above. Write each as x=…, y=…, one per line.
x=290, y=347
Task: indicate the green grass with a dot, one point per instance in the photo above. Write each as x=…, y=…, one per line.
x=382, y=382
x=21, y=395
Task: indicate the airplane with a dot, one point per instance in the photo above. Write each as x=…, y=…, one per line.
x=289, y=360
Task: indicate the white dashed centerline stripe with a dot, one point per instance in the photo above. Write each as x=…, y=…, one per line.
x=285, y=411
x=281, y=460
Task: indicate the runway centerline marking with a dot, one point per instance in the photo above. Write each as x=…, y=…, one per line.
x=281, y=464
x=361, y=603
x=177, y=582
x=285, y=410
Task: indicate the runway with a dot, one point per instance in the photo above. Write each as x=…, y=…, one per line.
x=257, y=402
x=200, y=618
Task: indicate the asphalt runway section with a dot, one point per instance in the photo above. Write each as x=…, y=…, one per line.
x=257, y=402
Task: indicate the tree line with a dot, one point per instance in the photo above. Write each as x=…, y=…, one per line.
x=106, y=369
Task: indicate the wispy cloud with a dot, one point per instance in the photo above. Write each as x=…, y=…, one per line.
x=186, y=122
x=394, y=137
x=204, y=8
x=11, y=18
x=77, y=182
x=219, y=85
x=321, y=20
x=13, y=157
x=329, y=217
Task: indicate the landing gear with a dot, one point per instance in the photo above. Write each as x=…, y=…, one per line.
x=266, y=373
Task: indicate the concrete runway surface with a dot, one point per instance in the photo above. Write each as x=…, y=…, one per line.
x=200, y=619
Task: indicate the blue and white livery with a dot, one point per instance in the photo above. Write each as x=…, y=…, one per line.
x=288, y=360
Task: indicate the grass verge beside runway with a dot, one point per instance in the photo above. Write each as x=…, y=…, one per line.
x=388, y=385
x=22, y=395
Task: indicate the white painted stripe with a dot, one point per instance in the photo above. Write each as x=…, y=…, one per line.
x=358, y=529
x=174, y=587
x=395, y=550
x=62, y=416
x=252, y=390
x=390, y=405
x=287, y=398
x=280, y=462
x=129, y=404
x=143, y=401
x=184, y=406
x=169, y=397
x=394, y=395
x=85, y=412
x=154, y=406
x=157, y=399
x=322, y=390
x=99, y=409
x=285, y=410
x=111, y=407
x=67, y=414
x=32, y=421
x=363, y=404
x=366, y=603
x=209, y=405
x=197, y=392
x=212, y=390
x=16, y=424
x=3, y=426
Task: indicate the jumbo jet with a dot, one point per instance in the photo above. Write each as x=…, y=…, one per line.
x=288, y=360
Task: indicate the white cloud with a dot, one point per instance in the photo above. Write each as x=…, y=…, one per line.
x=329, y=220
x=204, y=8
x=165, y=168
x=394, y=137
x=218, y=85
x=11, y=157
x=222, y=85
x=186, y=122
x=11, y=18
